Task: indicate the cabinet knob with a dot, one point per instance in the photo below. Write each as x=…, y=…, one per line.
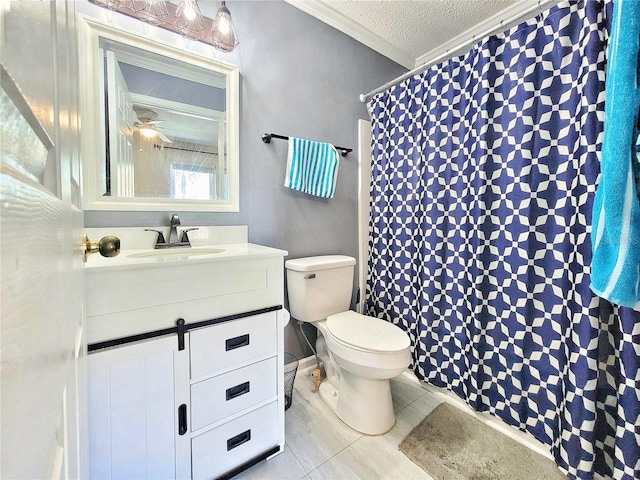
x=108, y=246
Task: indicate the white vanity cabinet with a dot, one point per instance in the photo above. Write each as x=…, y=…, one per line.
x=186, y=381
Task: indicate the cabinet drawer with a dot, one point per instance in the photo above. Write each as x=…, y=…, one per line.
x=218, y=397
x=220, y=347
x=231, y=444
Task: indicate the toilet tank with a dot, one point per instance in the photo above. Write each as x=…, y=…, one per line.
x=319, y=286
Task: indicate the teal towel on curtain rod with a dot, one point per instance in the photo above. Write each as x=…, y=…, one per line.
x=615, y=266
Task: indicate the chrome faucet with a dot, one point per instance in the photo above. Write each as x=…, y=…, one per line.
x=173, y=230
x=173, y=235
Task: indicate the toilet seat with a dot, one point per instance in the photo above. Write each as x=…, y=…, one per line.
x=366, y=334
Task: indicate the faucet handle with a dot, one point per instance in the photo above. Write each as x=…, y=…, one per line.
x=185, y=237
x=160, y=238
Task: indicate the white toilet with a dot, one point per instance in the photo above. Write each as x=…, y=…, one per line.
x=360, y=354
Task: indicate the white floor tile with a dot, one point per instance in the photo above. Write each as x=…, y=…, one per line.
x=404, y=392
x=369, y=458
x=312, y=431
x=281, y=467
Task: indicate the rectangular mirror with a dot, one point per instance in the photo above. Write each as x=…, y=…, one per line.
x=160, y=125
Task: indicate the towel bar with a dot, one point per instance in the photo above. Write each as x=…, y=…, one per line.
x=266, y=138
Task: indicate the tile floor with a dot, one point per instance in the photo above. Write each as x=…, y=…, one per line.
x=319, y=446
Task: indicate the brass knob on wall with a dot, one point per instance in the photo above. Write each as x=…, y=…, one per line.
x=108, y=246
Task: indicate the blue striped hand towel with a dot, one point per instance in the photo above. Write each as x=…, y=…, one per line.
x=615, y=266
x=312, y=167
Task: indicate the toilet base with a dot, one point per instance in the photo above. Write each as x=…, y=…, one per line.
x=363, y=404
x=329, y=394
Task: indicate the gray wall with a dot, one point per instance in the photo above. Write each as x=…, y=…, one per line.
x=299, y=77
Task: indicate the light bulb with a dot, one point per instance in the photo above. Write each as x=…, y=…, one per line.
x=189, y=12
x=223, y=26
x=148, y=132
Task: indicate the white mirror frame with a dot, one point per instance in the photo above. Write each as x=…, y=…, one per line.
x=93, y=148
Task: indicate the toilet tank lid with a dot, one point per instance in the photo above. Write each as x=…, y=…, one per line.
x=322, y=262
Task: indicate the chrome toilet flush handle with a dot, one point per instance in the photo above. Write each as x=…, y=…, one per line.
x=310, y=276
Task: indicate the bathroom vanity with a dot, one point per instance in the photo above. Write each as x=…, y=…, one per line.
x=185, y=356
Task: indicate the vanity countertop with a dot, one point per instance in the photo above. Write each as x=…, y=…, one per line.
x=209, y=244
x=137, y=258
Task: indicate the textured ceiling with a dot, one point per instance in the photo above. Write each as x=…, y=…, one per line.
x=418, y=26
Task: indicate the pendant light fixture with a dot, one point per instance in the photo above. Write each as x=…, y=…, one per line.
x=223, y=33
x=189, y=20
x=154, y=12
x=183, y=16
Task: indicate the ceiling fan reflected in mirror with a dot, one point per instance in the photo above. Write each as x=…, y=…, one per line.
x=146, y=124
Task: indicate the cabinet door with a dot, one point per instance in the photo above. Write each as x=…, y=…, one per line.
x=134, y=394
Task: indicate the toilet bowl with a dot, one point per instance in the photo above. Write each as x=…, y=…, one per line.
x=360, y=353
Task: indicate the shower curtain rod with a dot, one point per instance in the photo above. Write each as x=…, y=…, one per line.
x=167, y=147
x=463, y=43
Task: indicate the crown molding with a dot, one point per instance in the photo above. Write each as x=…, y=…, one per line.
x=347, y=26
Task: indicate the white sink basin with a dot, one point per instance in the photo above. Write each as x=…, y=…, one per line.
x=176, y=253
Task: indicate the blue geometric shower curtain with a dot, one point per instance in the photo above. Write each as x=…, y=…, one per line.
x=484, y=173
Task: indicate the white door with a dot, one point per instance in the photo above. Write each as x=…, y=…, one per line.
x=42, y=348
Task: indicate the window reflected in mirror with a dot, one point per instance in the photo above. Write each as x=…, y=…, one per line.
x=193, y=183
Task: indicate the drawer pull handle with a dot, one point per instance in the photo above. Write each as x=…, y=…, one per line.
x=182, y=419
x=237, y=342
x=238, y=390
x=238, y=440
